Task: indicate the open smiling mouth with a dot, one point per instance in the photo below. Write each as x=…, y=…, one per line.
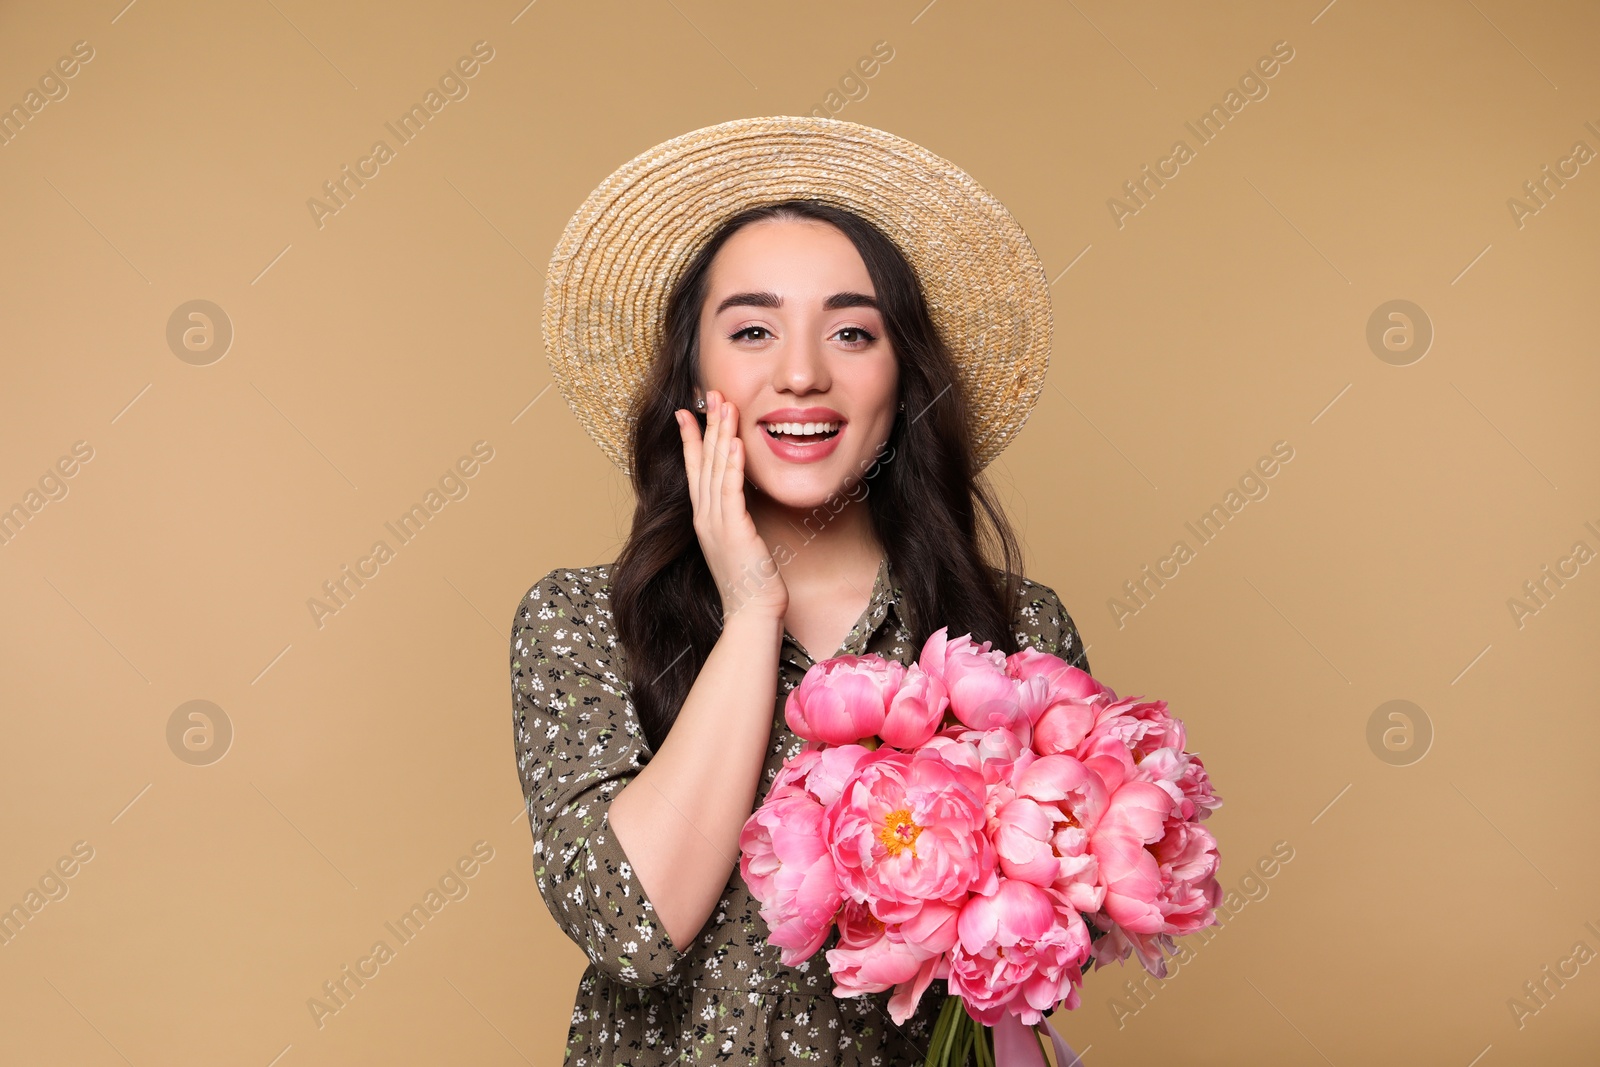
x=801, y=433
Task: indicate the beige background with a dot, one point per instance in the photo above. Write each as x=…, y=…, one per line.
x=1229, y=313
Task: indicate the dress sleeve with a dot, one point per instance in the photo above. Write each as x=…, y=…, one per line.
x=578, y=743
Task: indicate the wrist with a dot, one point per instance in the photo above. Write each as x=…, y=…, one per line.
x=752, y=617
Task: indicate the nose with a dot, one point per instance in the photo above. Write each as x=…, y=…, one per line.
x=801, y=365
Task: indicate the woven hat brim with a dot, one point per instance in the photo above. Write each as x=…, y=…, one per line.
x=623, y=250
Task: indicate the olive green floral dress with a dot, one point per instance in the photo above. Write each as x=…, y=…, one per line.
x=726, y=997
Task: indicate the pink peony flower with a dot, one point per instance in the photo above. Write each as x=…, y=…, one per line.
x=1062, y=701
x=1143, y=726
x=1042, y=831
x=1116, y=944
x=994, y=751
x=843, y=699
x=1019, y=950
x=1195, y=784
x=872, y=956
x=982, y=694
x=1187, y=855
x=1187, y=860
x=785, y=861
x=821, y=771
x=916, y=709
x=1135, y=816
x=1183, y=777
x=907, y=995
x=908, y=829
x=1064, y=681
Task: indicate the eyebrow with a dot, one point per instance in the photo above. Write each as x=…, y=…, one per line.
x=772, y=300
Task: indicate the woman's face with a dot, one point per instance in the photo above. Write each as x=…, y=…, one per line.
x=790, y=335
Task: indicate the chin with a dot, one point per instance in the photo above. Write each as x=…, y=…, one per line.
x=805, y=489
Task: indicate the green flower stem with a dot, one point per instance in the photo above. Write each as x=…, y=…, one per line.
x=959, y=1040
x=986, y=1047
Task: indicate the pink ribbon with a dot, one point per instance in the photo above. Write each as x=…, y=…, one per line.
x=1017, y=1045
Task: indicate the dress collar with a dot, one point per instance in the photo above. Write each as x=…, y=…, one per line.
x=885, y=593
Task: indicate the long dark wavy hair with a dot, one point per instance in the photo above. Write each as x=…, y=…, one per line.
x=667, y=608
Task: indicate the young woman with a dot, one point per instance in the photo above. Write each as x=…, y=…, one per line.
x=807, y=485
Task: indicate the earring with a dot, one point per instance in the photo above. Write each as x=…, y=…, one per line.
x=700, y=403
x=902, y=405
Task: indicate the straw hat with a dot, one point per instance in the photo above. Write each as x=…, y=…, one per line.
x=608, y=281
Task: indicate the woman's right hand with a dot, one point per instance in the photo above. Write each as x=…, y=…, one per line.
x=740, y=561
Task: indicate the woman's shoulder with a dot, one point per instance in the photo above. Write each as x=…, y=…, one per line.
x=1041, y=620
x=1036, y=602
x=563, y=633
x=573, y=584
x=567, y=604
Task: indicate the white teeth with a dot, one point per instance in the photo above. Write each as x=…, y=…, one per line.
x=800, y=429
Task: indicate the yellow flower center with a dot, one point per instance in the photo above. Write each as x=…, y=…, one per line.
x=898, y=832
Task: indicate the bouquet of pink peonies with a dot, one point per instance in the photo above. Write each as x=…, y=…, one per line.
x=993, y=821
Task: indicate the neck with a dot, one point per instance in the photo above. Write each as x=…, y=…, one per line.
x=814, y=546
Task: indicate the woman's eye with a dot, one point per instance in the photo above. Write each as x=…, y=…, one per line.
x=863, y=337
x=747, y=330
